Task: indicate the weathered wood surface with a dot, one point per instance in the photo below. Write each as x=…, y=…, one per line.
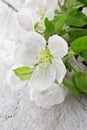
x=21, y=113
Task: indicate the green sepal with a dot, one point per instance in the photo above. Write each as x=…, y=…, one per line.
x=24, y=73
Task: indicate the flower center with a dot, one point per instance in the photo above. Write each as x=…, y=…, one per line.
x=45, y=57
x=41, y=13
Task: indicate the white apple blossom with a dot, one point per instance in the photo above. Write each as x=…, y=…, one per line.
x=35, y=12
x=49, y=69
x=53, y=95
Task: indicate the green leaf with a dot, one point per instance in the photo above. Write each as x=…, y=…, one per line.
x=84, y=54
x=55, y=26
x=80, y=80
x=68, y=66
x=36, y=27
x=50, y=29
x=73, y=3
x=79, y=46
x=76, y=18
x=75, y=33
x=73, y=88
x=59, y=24
x=84, y=2
x=24, y=73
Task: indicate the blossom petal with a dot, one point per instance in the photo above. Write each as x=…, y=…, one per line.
x=13, y=81
x=33, y=40
x=49, y=14
x=34, y=4
x=60, y=69
x=57, y=46
x=27, y=54
x=42, y=78
x=25, y=19
x=55, y=94
x=84, y=10
x=22, y=56
x=52, y=4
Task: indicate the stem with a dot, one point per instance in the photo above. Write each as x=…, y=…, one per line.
x=73, y=88
x=66, y=58
x=75, y=61
x=69, y=55
x=72, y=55
x=73, y=68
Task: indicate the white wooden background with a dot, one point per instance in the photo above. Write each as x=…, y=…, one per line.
x=21, y=113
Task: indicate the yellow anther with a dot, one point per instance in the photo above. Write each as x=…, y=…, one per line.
x=45, y=58
x=41, y=13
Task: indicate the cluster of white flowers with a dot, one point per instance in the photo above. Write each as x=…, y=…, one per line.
x=45, y=84
x=34, y=12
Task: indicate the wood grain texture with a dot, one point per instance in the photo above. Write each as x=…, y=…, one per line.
x=17, y=112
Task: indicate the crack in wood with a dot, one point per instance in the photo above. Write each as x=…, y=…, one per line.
x=9, y=5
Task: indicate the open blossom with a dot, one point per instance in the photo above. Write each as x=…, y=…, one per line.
x=35, y=12
x=45, y=82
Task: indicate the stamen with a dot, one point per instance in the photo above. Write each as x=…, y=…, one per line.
x=41, y=13
x=45, y=58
